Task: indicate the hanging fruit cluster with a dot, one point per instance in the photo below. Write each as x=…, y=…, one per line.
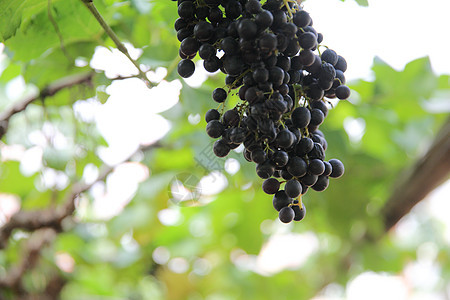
x=272, y=57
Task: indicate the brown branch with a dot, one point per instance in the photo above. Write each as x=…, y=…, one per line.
x=53, y=288
x=47, y=91
x=53, y=217
x=47, y=218
x=427, y=174
x=38, y=240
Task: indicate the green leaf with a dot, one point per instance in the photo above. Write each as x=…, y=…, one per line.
x=10, y=17
x=363, y=2
x=14, y=13
x=13, y=181
x=75, y=24
x=56, y=63
x=10, y=72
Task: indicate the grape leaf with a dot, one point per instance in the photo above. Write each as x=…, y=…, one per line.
x=13, y=13
x=363, y=2
x=36, y=37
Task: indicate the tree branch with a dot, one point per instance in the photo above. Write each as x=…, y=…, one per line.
x=53, y=217
x=427, y=174
x=38, y=240
x=94, y=11
x=47, y=91
x=47, y=218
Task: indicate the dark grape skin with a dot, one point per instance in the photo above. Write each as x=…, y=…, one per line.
x=215, y=15
x=304, y=146
x=231, y=118
x=280, y=53
x=219, y=95
x=337, y=168
x=309, y=179
x=340, y=78
x=301, y=116
x=180, y=23
x=306, y=57
x=341, y=64
x=189, y=46
x=299, y=212
x=260, y=75
x=302, y=18
x=327, y=72
x=259, y=156
x=264, y=19
x=286, y=175
x=293, y=188
x=212, y=114
x=253, y=6
x=186, y=68
x=317, y=117
x=316, y=167
x=206, y=51
x=342, y=92
x=247, y=155
x=280, y=200
x=329, y=56
x=229, y=45
x=317, y=152
x=214, y=128
x=321, y=183
x=320, y=105
x=280, y=158
x=186, y=10
x=203, y=31
x=265, y=170
x=297, y=166
x=267, y=42
x=284, y=139
x=221, y=148
x=247, y=29
x=328, y=168
x=286, y=214
x=237, y=135
x=271, y=186
x=307, y=40
x=212, y=65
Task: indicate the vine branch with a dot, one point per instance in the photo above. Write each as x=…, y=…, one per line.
x=47, y=91
x=54, y=216
x=38, y=240
x=427, y=174
x=47, y=218
x=94, y=11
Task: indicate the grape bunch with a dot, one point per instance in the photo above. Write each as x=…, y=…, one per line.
x=274, y=61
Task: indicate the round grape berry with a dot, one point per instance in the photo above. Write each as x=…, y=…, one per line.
x=270, y=186
x=186, y=68
x=219, y=95
x=286, y=214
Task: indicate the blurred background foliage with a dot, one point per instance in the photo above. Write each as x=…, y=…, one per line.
x=156, y=248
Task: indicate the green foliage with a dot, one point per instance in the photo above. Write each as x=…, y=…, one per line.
x=361, y=2
x=113, y=256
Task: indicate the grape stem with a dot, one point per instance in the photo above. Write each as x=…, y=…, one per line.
x=290, y=11
x=236, y=81
x=94, y=11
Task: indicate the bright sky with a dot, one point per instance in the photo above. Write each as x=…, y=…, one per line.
x=398, y=31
